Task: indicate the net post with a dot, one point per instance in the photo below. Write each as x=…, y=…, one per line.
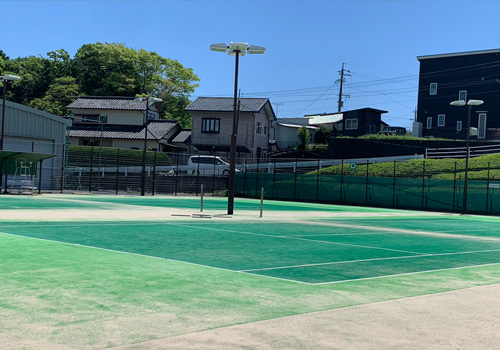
x=487, y=188
x=261, y=201
x=201, y=198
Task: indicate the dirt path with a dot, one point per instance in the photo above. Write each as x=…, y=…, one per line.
x=465, y=319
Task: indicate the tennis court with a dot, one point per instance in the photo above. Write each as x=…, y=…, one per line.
x=94, y=271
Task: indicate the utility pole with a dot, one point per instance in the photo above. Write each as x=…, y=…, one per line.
x=343, y=73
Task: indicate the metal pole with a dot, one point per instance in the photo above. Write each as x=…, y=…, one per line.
x=91, y=168
x=367, y=181
x=394, y=186
x=117, y=170
x=487, y=188
x=62, y=169
x=154, y=175
x=143, y=173
x=423, y=183
x=454, y=185
x=3, y=111
x=232, y=159
x=261, y=201
x=201, y=199
x=39, y=180
x=467, y=146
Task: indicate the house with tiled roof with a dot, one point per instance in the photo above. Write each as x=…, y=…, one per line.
x=212, y=125
x=120, y=122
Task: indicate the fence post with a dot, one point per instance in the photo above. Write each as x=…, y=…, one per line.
x=176, y=176
x=39, y=180
x=257, y=179
x=317, y=181
x=423, y=183
x=394, y=186
x=454, y=185
x=245, y=177
x=117, y=170
x=198, y=176
x=213, y=177
x=274, y=175
x=366, y=186
x=295, y=179
x=341, y=180
x=487, y=188
x=62, y=168
x=91, y=168
x=154, y=174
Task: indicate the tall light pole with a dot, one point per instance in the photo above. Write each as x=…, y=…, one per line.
x=143, y=171
x=5, y=78
x=470, y=103
x=235, y=49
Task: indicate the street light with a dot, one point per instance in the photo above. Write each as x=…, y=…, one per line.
x=143, y=172
x=469, y=103
x=5, y=78
x=235, y=49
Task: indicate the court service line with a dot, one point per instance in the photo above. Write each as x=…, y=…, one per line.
x=399, y=230
x=406, y=274
x=152, y=257
x=296, y=238
x=374, y=259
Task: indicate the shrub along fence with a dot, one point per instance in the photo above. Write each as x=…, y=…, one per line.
x=398, y=185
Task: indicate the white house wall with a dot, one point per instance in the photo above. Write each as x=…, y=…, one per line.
x=120, y=117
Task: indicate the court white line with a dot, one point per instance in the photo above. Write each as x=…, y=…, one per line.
x=296, y=238
x=405, y=274
x=374, y=259
x=153, y=257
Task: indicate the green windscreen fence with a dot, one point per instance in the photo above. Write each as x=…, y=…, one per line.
x=483, y=197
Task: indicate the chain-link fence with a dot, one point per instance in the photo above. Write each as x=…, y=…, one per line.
x=418, y=184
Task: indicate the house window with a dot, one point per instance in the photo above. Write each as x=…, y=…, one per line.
x=210, y=125
x=258, y=129
x=459, y=125
x=433, y=89
x=429, y=122
x=351, y=124
x=151, y=115
x=441, y=118
x=265, y=129
x=462, y=95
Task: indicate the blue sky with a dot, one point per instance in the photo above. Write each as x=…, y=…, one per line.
x=306, y=42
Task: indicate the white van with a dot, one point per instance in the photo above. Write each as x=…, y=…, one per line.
x=208, y=165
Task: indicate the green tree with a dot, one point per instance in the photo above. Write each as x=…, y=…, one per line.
x=60, y=94
x=304, y=136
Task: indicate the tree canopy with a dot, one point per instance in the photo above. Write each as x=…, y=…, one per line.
x=102, y=69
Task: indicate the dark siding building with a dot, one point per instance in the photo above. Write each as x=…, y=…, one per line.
x=464, y=76
x=360, y=122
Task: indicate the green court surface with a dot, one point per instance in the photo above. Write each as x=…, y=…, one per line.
x=88, y=281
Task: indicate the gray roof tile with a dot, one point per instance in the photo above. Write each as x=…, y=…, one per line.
x=109, y=102
x=225, y=104
x=156, y=131
x=183, y=136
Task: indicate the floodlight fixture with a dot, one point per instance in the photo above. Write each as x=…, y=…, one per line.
x=475, y=102
x=236, y=46
x=10, y=77
x=253, y=50
x=458, y=103
x=222, y=47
